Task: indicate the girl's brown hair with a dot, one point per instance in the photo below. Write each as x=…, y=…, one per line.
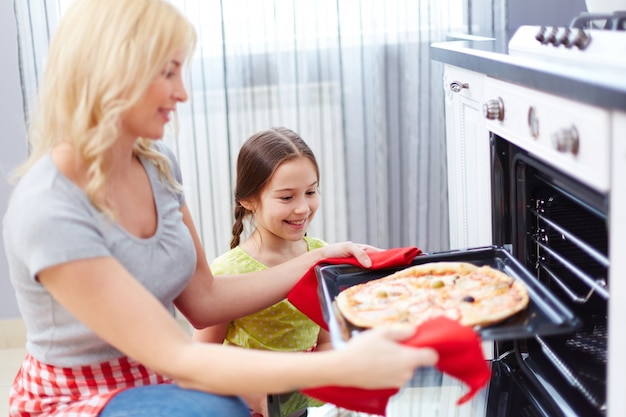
x=259, y=157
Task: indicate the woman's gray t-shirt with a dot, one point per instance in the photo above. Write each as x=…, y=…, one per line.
x=50, y=221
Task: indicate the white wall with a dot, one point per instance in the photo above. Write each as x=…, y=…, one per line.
x=13, y=147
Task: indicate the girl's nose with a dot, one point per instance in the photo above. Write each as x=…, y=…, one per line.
x=302, y=207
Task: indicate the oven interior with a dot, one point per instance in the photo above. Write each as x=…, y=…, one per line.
x=558, y=228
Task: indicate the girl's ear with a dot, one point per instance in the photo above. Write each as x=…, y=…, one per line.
x=248, y=205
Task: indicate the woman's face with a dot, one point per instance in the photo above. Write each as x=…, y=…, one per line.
x=148, y=117
x=289, y=201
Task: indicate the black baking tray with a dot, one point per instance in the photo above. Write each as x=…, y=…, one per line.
x=545, y=314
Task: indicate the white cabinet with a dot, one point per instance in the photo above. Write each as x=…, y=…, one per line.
x=468, y=158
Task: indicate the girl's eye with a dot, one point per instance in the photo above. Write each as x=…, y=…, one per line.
x=286, y=198
x=312, y=192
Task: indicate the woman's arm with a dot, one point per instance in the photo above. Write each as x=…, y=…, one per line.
x=209, y=300
x=104, y=296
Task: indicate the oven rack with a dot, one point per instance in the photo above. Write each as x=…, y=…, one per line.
x=596, y=285
x=559, y=242
x=569, y=375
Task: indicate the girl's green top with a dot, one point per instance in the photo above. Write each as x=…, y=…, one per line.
x=281, y=327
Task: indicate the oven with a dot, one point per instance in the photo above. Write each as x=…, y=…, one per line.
x=557, y=227
x=536, y=166
x=540, y=173
x=551, y=188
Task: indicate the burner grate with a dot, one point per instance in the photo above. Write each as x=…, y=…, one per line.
x=606, y=21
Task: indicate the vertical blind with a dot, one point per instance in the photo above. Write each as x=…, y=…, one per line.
x=353, y=77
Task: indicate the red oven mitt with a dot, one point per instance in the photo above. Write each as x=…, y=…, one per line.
x=459, y=348
x=304, y=295
x=460, y=356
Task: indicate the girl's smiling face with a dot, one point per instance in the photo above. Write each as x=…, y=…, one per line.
x=289, y=201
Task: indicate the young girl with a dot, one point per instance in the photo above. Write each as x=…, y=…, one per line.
x=277, y=193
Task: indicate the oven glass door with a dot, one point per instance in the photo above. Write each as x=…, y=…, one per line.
x=558, y=228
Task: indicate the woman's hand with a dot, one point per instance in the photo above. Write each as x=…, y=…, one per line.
x=345, y=249
x=375, y=358
x=257, y=403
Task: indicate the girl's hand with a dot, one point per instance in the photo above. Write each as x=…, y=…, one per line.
x=375, y=358
x=345, y=249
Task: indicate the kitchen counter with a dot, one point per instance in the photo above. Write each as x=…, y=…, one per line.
x=603, y=87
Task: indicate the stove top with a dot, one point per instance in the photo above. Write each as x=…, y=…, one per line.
x=595, y=39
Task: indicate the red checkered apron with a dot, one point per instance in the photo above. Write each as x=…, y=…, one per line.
x=47, y=391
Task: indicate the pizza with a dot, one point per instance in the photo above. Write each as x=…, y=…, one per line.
x=472, y=295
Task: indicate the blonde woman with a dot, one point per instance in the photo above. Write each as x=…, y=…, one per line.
x=101, y=245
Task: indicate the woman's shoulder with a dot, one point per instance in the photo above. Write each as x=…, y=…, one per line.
x=48, y=219
x=45, y=191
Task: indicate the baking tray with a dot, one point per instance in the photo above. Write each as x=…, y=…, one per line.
x=545, y=314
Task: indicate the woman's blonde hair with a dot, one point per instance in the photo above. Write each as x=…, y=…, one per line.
x=101, y=60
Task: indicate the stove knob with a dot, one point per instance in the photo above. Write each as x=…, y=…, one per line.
x=541, y=35
x=564, y=38
x=552, y=38
x=580, y=39
x=494, y=109
x=566, y=140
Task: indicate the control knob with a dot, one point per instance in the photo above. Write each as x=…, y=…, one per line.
x=551, y=38
x=541, y=35
x=564, y=38
x=566, y=140
x=580, y=39
x=494, y=109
